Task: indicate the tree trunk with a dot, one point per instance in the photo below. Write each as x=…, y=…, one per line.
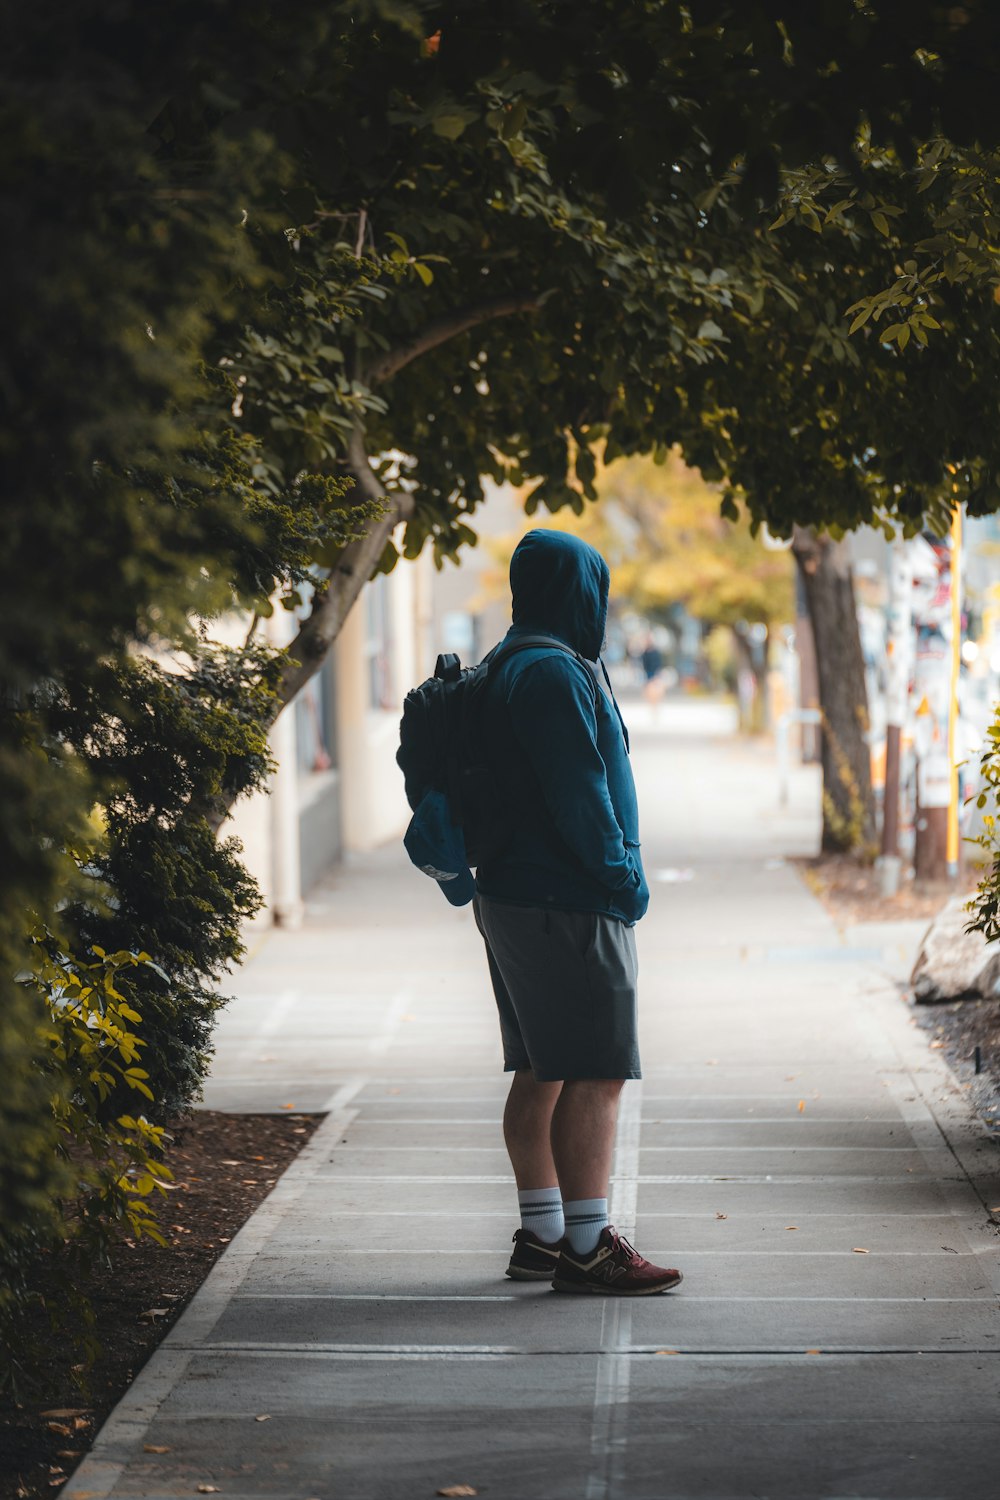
x=752, y=706
x=848, y=801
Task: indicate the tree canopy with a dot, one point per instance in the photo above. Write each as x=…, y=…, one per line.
x=280, y=277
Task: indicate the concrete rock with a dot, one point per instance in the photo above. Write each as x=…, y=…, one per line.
x=953, y=964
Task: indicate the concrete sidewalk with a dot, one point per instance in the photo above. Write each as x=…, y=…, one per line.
x=795, y=1147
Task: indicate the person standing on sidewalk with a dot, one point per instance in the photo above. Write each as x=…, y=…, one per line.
x=557, y=910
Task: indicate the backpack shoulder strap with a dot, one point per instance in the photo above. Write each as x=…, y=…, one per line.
x=533, y=642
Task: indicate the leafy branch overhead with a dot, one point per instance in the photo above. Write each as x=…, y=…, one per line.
x=284, y=279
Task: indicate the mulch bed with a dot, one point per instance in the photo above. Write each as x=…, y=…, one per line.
x=958, y=1027
x=223, y=1166
x=850, y=891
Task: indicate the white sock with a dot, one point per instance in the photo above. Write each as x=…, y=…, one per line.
x=585, y=1218
x=542, y=1213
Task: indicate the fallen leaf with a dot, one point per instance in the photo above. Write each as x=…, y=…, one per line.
x=288, y=1106
x=208, y=1489
x=722, y=1216
x=457, y=1489
x=668, y=1351
x=232, y=1164
x=711, y=1062
x=790, y=1077
x=155, y=1312
x=802, y=1106
x=264, y=1417
x=59, y=1427
x=154, y=1448
x=936, y=1046
x=80, y=1422
x=859, y=1250
x=69, y=1453
x=394, y=1091
x=814, y=1351
x=791, y=1226
x=65, y=1411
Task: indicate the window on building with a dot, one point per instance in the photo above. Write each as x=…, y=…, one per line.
x=378, y=644
x=314, y=725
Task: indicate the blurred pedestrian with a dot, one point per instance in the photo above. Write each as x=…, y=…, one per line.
x=651, y=659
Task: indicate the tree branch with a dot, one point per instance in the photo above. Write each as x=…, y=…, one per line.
x=352, y=570
x=448, y=326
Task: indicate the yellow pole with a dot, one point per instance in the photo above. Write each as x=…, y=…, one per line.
x=956, y=664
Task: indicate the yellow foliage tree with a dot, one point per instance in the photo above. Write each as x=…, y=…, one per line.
x=667, y=544
x=659, y=526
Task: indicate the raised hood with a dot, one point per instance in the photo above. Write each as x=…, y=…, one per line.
x=559, y=586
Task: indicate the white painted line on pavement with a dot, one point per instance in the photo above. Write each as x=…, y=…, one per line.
x=647, y=1213
x=738, y=1123
x=437, y=1350
x=608, y=1432
x=342, y=1096
x=392, y=1353
x=771, y=1179
x=912, y=1301
x=734, y=1254
x=376, y=1296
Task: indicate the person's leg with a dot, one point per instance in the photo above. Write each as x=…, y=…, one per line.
x=583, y=1138
x=583, y=1135
x=527, y=1123
x=594, y=1257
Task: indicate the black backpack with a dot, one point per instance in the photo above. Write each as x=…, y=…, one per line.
x=442, y=745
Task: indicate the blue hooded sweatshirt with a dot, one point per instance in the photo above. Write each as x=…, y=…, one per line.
x=558, y=745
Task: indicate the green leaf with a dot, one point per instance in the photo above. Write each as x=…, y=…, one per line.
x=450, y=127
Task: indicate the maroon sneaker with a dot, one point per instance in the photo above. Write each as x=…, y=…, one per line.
x=532, y=1258
x=612, y=1269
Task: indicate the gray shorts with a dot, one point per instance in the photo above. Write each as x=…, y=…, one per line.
x=565, y=986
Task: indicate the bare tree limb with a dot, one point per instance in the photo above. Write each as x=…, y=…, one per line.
x=352, y=570
x=448, y=326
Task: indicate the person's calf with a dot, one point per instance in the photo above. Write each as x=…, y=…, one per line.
x=583, y=1136
x=527, y=1124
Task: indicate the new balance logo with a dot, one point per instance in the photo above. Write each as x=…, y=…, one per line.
x=607, y=1270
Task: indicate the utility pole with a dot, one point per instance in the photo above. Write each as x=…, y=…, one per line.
x=900, y=650
x=952, y=852
x=936, y=716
